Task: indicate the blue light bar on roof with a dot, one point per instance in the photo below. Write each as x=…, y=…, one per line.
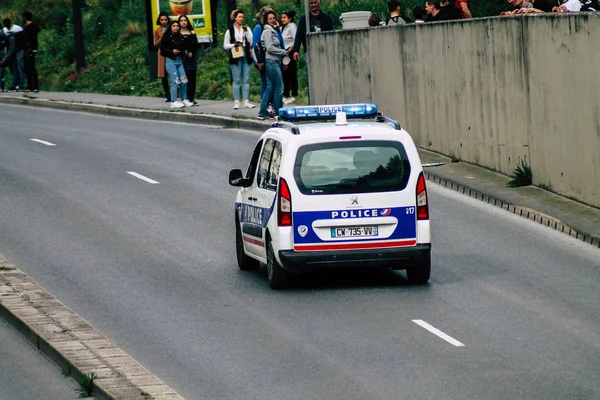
x=312, y=113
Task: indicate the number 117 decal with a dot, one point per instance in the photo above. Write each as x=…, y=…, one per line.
x=410, y=210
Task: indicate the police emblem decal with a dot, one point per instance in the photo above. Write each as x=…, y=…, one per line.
x=353, y=200
x=302, y=230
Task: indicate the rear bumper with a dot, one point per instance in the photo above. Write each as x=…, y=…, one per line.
x=397, y=258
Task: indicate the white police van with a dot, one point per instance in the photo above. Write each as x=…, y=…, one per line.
x=332, y=193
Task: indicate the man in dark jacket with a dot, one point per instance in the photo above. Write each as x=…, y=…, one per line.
x=8, y=50
x=30, y=49
x=319, y=22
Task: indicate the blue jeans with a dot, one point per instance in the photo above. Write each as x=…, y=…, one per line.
x=178, y=78
x=18, y=70
x=240, y=72
x=274, y=88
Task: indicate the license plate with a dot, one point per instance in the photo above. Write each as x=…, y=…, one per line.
x=354, y=231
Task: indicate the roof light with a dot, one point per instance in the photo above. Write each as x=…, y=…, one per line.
x=311, y=113
x=340, y=119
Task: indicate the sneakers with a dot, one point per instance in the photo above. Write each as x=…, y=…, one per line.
x=270, y=108
x=177, y=104
x=291, y=100
x=260, y=117
x=187, y=103
x=247, y=104
x=236, y=105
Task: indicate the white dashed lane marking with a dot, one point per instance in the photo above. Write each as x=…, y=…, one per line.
x=142, y=177
x=438, y=333
x=42, y=142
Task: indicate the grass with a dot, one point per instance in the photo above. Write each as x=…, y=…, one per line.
x=86, y=386
x=522, y=176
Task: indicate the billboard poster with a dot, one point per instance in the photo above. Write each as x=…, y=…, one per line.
x=198, y=12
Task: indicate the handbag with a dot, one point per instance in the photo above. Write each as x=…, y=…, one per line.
x=237, y=52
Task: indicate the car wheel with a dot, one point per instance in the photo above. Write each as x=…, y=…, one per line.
x=277, y=277
x=245, y=263
x=420, y=275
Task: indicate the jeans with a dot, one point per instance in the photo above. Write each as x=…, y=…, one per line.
x=274, y=88
x=240, y=72
x=18, y=71
x=178, y=78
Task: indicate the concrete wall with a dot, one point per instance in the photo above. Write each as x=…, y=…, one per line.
x=489, y=91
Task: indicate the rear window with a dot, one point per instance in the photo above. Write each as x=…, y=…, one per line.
x=351, y=167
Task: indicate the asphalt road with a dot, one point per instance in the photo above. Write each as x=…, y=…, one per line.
x=152, y=266
x=25, y=373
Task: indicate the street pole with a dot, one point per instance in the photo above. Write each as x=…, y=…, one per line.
x=78, y=31
x=307, y=20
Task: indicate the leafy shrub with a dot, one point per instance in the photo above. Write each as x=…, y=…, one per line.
x=522, y=176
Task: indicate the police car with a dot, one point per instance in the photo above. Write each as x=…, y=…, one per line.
x=332, y=186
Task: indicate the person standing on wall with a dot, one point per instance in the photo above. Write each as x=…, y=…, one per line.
x=290, y=67
x=163, y=22
x=319, y=22
x=238, y=39
x=30, y=44
x=190, y=57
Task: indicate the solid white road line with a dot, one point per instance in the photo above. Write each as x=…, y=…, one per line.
x=43, y=142
x=438, y=333
x=142, y=177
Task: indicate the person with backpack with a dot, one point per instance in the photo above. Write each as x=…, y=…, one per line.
x=237, y=42
x=258, y=49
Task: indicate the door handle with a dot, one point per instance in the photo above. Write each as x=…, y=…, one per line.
x=252, y=198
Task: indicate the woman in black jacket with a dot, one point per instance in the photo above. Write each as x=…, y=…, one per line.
x=190, y=57
x=172, y=48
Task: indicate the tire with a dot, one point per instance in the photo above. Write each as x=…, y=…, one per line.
x=245, y=263
x=420, y=275
x=277, y=277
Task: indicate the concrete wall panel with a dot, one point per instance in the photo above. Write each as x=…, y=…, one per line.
x=489, y=91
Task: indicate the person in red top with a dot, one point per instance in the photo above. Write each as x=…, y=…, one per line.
x=463, y=6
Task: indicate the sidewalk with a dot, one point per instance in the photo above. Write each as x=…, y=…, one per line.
x=557, y=212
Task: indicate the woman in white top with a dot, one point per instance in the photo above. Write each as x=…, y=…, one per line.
x=290, y=71
x=239, y=36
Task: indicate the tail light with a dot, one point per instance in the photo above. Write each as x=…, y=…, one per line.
x=422, y=207
x=284, y=204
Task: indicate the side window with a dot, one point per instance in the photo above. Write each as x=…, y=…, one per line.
x=272, y=179
x=254, y=161
x=263, y=165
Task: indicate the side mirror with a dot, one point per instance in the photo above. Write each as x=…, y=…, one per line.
x=236, y=178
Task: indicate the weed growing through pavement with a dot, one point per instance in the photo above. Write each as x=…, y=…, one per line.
x=522, y=176
x=86, y=386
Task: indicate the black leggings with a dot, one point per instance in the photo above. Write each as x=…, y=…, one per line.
x=191, y=86
x=290, y=80
x=166, y=88
x=31, y=71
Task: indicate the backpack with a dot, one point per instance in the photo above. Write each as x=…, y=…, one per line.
x=259, y=52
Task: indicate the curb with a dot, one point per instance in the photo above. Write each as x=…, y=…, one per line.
x=73, y=344
x=154, y=115
x=524, y=212
x=247, y=124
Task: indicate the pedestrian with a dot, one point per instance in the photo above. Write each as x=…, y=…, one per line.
x=172, y=48
x=275, y=51
x=163, y=23
x=419, y=13
x=30, y=35
x=394, y=10
x=318, y=22
x=290, y=67
x=375, y=20
x=16, y=63
x=3, y=50
x=190, y=57
x=238, y=39
x=259, y=63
